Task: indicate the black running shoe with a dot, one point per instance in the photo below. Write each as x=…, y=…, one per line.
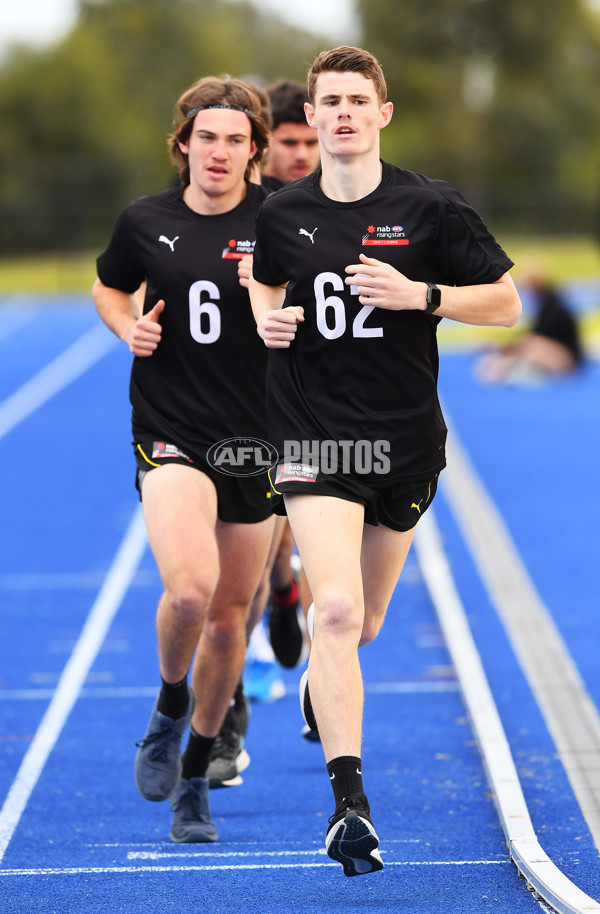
x=351, y=837
x=286, y=633
x=306, y=707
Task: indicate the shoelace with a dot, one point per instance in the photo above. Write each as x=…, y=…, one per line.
x=190, y=803
x=348, y=805
x=163, y=739
x=226, y=744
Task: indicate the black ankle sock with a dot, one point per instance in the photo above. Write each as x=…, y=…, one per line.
x=345, y=774
x=173, y=699
x=195, y=759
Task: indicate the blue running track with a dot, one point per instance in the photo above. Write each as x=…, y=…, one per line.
x=78, y=667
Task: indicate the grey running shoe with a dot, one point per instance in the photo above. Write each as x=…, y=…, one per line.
x=307, y=709
x=192, y=823
x=352, y=839
x=228, y=759
x=157, y=766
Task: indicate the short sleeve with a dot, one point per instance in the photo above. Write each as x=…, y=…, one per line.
x=265, y=265
x=472, y=254
x=119, y=266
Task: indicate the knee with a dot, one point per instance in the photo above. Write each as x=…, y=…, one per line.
x=225, y=627
x=189, y=597
x=338, y=616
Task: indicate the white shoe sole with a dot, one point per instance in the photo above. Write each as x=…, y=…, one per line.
x=353, y=842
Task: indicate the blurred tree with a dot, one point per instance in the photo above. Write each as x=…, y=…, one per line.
x=84, y=124
x=499, y=97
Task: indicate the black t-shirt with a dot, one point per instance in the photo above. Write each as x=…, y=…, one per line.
x=206, y=379
x=353, y=371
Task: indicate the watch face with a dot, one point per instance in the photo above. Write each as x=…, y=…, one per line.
x=434, y=298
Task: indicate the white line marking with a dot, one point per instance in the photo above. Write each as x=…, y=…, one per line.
x=16, y=321
x=378, y=688
x=411, y=687
x=73, y=676
x=214, y=855
x=101, y=870
x=543, y=655
x=87, y=350
x=69, y=580
x=531, y=860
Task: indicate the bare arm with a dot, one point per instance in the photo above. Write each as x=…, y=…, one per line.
x=275, y=325
x=120, y=313
x=489, y=304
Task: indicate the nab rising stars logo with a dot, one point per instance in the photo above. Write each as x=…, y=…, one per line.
x=384, y=234
x=235, y=250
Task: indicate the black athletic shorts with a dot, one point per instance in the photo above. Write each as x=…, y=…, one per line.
x=397, y=506
x=240, y=499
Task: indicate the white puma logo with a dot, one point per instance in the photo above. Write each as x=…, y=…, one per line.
x=170, y=243
x=308, y=234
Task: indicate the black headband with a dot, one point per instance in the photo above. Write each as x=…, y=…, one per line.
x=231, y=107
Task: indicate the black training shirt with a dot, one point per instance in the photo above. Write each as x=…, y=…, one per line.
x=353, y=371
x=206, y=379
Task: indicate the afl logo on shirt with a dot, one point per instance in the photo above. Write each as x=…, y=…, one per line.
x=384, y=234
x=242, y=456
x=235, y=250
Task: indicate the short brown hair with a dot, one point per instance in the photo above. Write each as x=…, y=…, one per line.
x=287, y=102
x=347, y=59
x=214, y=91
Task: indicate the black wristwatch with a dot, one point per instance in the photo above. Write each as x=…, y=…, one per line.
x=434, y=298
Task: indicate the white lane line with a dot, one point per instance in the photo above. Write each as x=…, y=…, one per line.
x=87, y=350
x=68, y=580
x=14, y=320
x=569, y=712
x=408, y=687
x=194, y=868
x=539, y=871
x=214, y=855
x=73, y=676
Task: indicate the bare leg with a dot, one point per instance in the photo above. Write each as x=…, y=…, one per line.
x=222, y=647
x=352, y=569
x=282, y=574
x=180, y=507
x=383, y=556
x=328, y=532
x=261, y=596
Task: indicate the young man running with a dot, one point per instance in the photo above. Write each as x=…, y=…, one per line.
x=197, y=379
x=373, y=256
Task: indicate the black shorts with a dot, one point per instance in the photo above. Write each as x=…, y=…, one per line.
x=240, y=499
x=397, y=506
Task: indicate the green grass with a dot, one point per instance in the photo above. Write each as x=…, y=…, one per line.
x=47, y=273
x=561, y=259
